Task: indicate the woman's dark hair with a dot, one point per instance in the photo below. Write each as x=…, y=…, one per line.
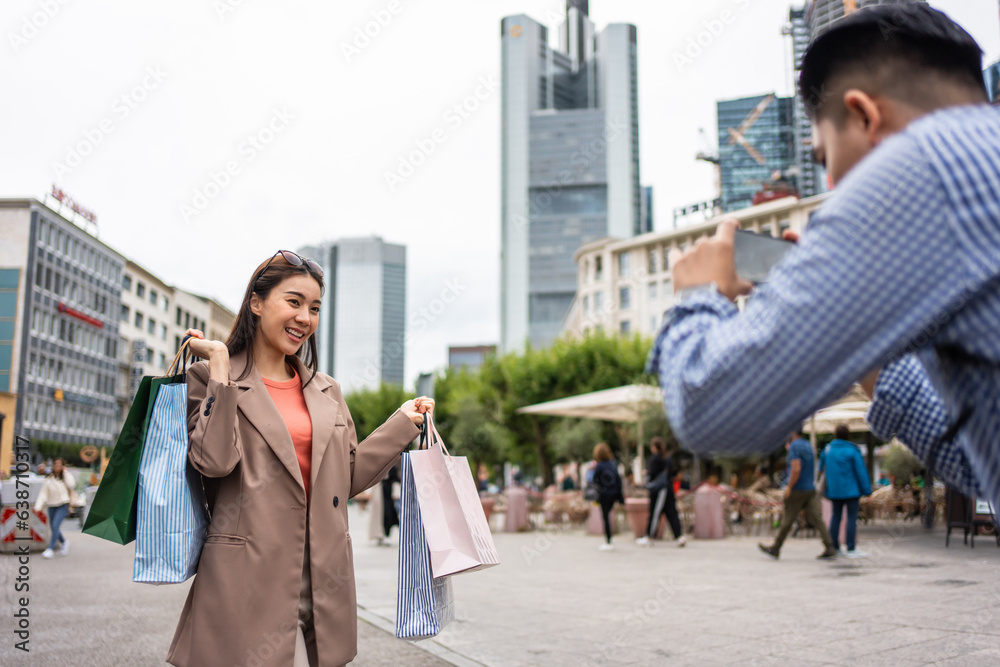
x=658, y=446
x=244, y=331
x=841, y=432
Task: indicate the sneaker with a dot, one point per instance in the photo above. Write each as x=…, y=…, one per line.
x=643, y=541
x=828, y=554
x=770, y=551
x=682, y=540
x=48, y=553
x=607, y=546
x=856, y=553
x=65, y=548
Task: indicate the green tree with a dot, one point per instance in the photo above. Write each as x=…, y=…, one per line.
x=569, y=367
x=371, y=407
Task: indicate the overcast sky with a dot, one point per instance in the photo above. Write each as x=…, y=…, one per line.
x=308, y=120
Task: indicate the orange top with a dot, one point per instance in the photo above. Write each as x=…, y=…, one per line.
x=291, y=404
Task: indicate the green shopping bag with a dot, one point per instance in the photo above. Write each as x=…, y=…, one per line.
x=112, y=513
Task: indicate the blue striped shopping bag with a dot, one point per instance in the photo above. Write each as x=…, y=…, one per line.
x=424, y=605
x=172, y=517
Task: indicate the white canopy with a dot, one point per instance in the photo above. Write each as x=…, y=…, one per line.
x=849, y=410
x=621, y=404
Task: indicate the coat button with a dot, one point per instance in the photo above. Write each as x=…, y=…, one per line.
x=207, y=411
x=211, y=399
x=336, y=501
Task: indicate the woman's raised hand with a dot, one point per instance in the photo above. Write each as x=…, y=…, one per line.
x=200, y=347
x=416, y=407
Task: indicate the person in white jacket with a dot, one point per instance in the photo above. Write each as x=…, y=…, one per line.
x=56, y=494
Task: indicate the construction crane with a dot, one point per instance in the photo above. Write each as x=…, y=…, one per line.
x=737, y=136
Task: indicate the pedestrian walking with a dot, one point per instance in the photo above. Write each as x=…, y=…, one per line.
x=608, y=485
x=800, y=494
x=390, y=488
x=896, y=279
x=846, y=481
x=660, y=474
x=56, y=495
x=278, y=450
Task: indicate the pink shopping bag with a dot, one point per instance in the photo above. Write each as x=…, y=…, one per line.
x=455, y=525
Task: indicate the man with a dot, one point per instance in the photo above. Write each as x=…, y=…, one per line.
x=660, y=483
x=846, y=481
x=800, y=494
x=899, y=270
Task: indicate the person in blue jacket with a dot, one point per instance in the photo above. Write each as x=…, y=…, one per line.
x=846, y=481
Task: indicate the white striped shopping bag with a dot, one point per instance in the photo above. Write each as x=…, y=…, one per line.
x=424, y=605
x=172, y=516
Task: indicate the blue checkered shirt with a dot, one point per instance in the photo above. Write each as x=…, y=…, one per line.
x=899, y=270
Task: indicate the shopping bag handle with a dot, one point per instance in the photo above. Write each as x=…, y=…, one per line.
x=181, y=357
x=429, y=433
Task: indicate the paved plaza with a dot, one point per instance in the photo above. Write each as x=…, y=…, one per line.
x=557, y=600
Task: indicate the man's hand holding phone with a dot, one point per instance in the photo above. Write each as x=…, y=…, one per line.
x=710, y=261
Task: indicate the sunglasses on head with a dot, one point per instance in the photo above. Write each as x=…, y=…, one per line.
x=294, y=260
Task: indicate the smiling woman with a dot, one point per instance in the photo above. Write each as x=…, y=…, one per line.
x=278, y=454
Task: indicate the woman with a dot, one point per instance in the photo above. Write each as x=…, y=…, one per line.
x=662, y=499
x=609, y=488
x=279, y=453
x=56, y=494
x=846, y=481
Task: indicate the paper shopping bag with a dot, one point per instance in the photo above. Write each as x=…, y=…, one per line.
x=424, y=605
x=112, y=512
x=458, y=534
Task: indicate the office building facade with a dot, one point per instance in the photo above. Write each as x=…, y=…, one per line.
x=625, y=285
x=59, y=315
x=361, y=336
x=569, y=161
x=469, y=356
x=824, y=14
x=756, y=146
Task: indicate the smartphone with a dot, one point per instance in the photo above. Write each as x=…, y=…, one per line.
x=757, y=254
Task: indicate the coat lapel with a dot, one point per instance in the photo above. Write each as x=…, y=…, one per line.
x=322, y=411
x=257, y=406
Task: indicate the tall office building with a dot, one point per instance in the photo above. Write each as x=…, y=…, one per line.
x=756, y=145
x=569, y=162
x=991, y=77
x=363, y=318
x=59, y=304
x=810, y=178
x=823, y=14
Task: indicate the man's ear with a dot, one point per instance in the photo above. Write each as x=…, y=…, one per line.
x=863, y=109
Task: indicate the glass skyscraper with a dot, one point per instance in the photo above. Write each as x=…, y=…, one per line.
x=752, y=154
x=570, y=162
x=361, y=335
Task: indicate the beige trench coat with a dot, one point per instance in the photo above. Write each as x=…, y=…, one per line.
x=242, y=607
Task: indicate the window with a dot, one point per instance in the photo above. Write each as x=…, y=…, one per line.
x=598, y=268
x=163, y=361
x=164, y=304
x=149, y=355
x=140, y=290
x=652, y=261
x=151, y=325
x=586, y=304
x=598, y=301
x=138, y=320
x=178, y=315
x=58, y=284
x=187, y=320
x=39, y=275
x=625, y=327
x=623, y=264
x=586, y=270
x=625, y=298
x=163, y=332
x=652, y=290
x=126, y=313
x=666, y=258
x=153, y=296
x=127, y=282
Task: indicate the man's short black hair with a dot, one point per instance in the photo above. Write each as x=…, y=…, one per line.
x=893, y=48
x=841, y=432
